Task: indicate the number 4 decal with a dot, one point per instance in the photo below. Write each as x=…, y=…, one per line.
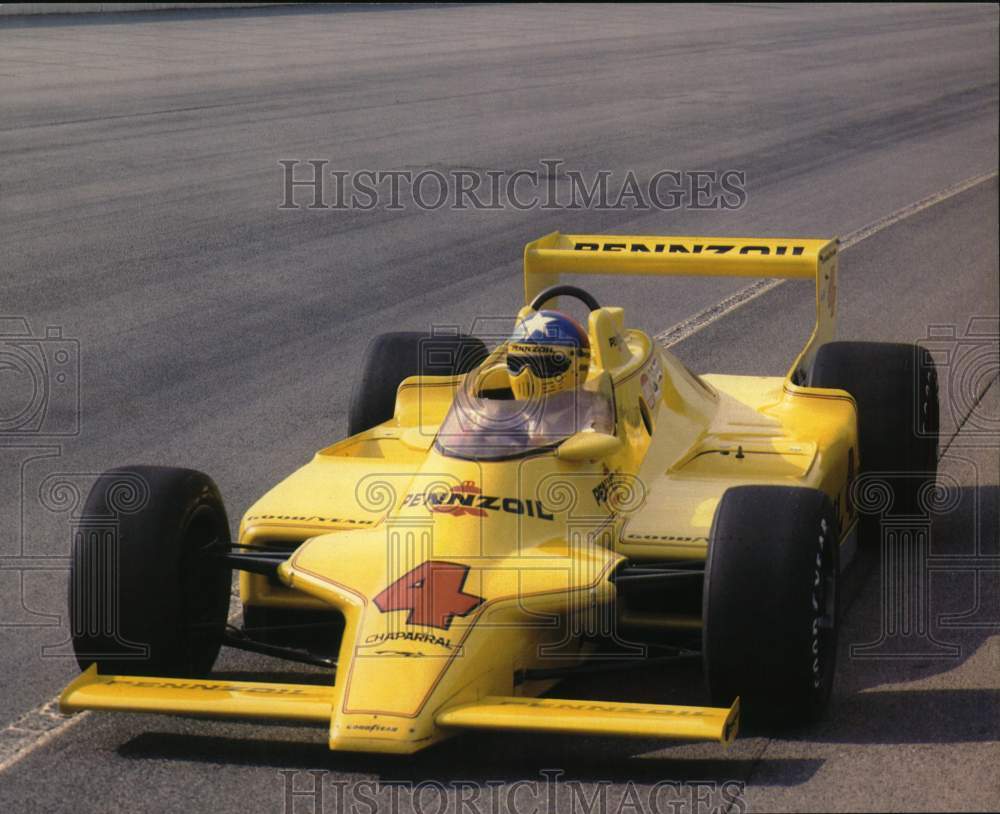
x=432, y=593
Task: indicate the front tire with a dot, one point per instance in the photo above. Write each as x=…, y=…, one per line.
x=770, y=615
x=147, y=596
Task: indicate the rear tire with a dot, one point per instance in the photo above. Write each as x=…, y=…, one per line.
x=895, y=388
x=391, y=357
x=770, y=615
x=146, y=595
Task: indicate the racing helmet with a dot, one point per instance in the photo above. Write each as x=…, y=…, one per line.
x=549, y=352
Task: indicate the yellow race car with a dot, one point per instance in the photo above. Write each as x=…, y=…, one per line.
x=574, y=499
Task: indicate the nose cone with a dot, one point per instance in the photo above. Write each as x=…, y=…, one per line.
x=426, y=630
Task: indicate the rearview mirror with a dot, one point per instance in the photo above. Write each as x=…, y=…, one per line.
x=588, y=445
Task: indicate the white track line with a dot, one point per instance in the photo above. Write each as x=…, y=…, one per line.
x=38, y=726
x=690, y=326
x=33, y=730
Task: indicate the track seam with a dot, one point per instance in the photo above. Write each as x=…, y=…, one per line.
x=967, y=416
x=20, y=738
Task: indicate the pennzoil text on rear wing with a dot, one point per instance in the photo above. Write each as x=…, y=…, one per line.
x=556, y=254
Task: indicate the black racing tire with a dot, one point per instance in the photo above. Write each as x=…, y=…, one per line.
x=391, y=357
x=147, y=596
x=770, y=614
x=896, y=390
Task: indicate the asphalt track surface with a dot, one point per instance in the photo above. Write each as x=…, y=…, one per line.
x=139, y=192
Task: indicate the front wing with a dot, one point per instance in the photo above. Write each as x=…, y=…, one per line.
x=314, y=703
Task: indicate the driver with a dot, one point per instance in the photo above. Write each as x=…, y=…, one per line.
x=548, y=358
x=548, y=353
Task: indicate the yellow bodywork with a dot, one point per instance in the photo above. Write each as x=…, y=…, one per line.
x=458, y=579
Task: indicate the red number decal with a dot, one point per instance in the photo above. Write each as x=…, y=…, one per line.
x=432, y=593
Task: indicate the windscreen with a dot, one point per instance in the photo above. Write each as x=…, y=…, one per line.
x=486, y=422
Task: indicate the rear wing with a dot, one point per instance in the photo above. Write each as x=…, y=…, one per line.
x=549, y=257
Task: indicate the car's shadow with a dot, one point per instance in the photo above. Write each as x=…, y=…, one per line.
x=910, y=621
x=500, y=758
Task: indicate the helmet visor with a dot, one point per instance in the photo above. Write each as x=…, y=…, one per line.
x=545, y=366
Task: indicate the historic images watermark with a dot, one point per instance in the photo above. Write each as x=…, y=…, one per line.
x=39, y=381
x=316, y=792
x=311, y=184
x=967, y=358
x=39, y=413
